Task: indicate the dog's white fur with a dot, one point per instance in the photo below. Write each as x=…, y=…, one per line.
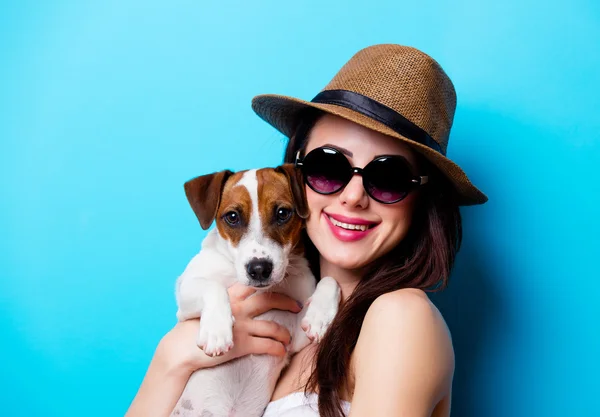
x=243, y=387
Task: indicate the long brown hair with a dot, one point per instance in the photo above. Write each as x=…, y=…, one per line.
x=423, y=259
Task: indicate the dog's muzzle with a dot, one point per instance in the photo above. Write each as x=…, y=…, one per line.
x=259, y=270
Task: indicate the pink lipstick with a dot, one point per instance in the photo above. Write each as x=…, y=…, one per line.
x=348, y=229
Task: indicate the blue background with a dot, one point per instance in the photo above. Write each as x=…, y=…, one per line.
x=107, y=107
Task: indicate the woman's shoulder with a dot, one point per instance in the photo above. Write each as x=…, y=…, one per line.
x=403, y=296
x=406, y=303
x=409, y=322
x=409, y=311
x=409, y=335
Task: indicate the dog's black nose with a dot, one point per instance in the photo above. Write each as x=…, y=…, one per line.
x=259, y=269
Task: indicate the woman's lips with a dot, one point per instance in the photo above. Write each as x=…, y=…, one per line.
x=350, y=230
x=351, y=220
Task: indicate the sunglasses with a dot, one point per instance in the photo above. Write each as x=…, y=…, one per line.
x=387, y=179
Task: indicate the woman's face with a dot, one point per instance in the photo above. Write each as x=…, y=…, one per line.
x=388, y=223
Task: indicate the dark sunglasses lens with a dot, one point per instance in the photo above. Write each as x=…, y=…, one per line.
x=326, y=171
x=388, y=179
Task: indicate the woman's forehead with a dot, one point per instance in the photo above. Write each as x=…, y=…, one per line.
x=361, y=143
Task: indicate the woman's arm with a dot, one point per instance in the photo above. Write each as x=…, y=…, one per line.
x=404, y=360
x=165, y=378
x=177, y=355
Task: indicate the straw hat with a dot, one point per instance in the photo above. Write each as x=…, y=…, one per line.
x=392, y=89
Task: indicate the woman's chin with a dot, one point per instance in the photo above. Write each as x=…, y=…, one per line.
x=347, y=260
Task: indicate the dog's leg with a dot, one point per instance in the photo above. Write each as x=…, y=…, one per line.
x=299, y=340
x=322, y=308
x=207, y=299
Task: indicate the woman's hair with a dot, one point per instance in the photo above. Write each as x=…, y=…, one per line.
x=423, y=259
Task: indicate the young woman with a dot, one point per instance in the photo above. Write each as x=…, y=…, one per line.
x=384, y=223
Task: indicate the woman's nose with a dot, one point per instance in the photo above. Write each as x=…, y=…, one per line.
x=354, y=194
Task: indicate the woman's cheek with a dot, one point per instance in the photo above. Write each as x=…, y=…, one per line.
x=315, y=206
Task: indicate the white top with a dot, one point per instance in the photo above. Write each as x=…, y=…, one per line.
x=297, y=404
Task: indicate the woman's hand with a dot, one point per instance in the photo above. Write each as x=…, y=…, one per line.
x=177, y=355
x=179, y=350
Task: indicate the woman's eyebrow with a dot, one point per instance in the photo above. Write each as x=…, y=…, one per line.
x=342, y=150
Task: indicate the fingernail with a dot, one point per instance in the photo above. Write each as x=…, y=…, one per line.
x=300, y=305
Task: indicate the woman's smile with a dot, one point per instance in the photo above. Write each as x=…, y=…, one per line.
x=348, y=229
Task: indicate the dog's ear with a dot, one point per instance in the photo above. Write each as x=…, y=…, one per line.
x=296, y=180
x=204, y=195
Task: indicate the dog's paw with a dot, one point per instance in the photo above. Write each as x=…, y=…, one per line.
x=216, y=334
x=322, y=308
x=183, y=316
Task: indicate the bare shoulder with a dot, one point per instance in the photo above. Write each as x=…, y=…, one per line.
x=409, y=313
x=413, y=344
x=407, y=303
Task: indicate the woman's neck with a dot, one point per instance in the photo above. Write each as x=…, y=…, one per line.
x=347, y=279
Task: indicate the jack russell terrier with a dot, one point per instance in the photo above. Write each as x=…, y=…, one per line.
x=257, y=242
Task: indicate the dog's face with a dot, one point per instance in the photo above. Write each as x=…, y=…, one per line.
x=259, y=213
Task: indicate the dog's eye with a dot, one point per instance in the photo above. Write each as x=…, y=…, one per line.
x=283, y=214
x=232, y=218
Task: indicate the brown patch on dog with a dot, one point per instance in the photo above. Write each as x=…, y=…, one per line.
x=204, y=194
x=274, y=192
x=234, y=198
x=297, y=187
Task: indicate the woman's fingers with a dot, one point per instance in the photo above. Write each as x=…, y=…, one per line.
x=266, y=328
x=238, y=292
x=250, y=336
x=259, y=303
x=261, y=345
x=263, y=302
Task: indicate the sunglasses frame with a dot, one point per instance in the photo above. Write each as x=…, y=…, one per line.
x=417, y=180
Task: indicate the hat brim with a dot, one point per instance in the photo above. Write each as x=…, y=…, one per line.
x=284, y=113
